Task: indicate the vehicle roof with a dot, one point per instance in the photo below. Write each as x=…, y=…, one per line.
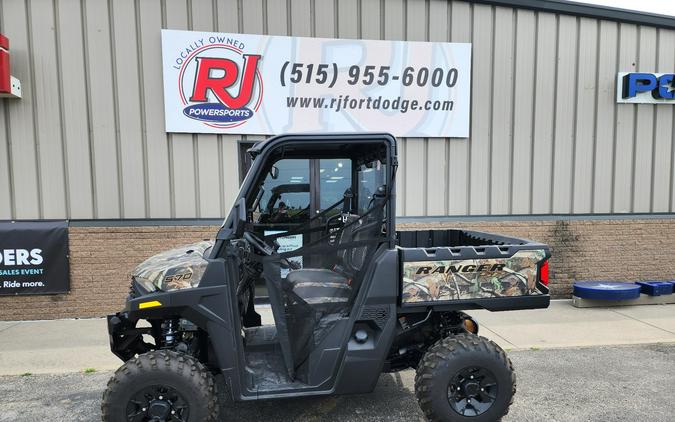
x=256, y=149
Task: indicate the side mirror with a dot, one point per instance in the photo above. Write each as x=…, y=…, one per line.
x=241, y=216
x=242, y=210
x=274, y=172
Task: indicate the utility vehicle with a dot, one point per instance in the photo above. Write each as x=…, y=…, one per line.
x=350, y=297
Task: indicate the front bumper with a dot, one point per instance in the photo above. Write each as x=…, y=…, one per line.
x=126, y=340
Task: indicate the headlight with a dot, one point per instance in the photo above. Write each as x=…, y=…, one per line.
x=145, y=284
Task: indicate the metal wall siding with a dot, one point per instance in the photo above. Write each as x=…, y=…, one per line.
x=605, y=127
x=5, y=174
x=523, y=99
x=644, y=129
x=502, y=111
x=544, y=114
x=131, y=163
x=565, y=114
x=663, y=133
x=19, y=117
x=103, y=124
x=150, y=14
x=482, y=95
x=584, y=136
x=46, y=106
x=87, y=139
x=458, y=158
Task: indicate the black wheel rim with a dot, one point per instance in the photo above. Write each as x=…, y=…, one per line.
x=472, y=391
x=157, y=403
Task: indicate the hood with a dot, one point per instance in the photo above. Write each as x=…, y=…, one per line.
x=178, y=268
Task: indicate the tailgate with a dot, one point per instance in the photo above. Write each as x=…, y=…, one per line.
x=494, y=277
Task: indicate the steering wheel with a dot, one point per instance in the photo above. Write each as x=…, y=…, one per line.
x=258, y=243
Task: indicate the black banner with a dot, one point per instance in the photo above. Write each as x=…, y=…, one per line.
x=34, y=257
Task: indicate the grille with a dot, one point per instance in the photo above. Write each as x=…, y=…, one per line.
x=378, y=314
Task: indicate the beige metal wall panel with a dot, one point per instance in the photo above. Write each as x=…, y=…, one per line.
x=644, y=128
x=436, y=176
x=371, y=19
x=565, y=113
x=149, y=16
x=301, y=18
x=73, y=111
x=394, y=20
x=458, y=158
x=129, y=133
x=102, y=119
x=664, y=134
x=523, y=119
x=437, y=180
x=605, y=127
x=480, y=159
x=5, y=174
x=347, y=24
x=277, y=18
x=252, y=16
x=228, y=169
x=416, y=148
x=48, y=121
x=181, y=145
x=625, y=126
x=502, y=111
x=19, y=116
x=584, y=135
x=87, y=139
x=206, y=145
x=544, y=113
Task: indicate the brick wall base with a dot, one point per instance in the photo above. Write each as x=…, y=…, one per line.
x=102, y=257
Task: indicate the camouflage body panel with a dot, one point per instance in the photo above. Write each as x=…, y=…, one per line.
x=178, y=268
x=432, y=281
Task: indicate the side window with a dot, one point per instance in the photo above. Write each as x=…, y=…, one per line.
x=284, y=195
x=370, y=177
x=335, y=177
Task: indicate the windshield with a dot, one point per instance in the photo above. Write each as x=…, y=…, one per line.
x=284, y=195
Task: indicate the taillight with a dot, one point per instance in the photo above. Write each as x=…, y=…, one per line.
x=543, y=273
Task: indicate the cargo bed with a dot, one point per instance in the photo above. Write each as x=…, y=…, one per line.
x=461, y=269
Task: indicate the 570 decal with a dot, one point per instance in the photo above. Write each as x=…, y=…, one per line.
x=327, y=73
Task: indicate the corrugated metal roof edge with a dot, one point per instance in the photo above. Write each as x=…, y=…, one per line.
x=587, y=10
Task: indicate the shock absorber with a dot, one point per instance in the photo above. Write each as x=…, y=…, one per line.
x=170, y=333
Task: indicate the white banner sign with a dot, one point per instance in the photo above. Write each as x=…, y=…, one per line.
x=254, y=84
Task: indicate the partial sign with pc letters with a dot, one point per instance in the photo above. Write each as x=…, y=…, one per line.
x=255, y=84
x=645, y=88
x=34, y=257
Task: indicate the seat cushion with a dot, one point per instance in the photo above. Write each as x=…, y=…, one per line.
x=315, y=274
x=324, y=290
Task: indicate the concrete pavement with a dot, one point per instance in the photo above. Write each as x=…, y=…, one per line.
x=562, y=325
x=63, y=346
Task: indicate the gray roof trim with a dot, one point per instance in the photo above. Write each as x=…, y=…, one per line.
x=588, y=10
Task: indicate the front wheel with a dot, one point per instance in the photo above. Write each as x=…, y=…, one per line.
x=465, y=378
x=161, y=386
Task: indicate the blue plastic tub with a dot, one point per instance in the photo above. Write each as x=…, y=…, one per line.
x=606, y=290
x=656, y=288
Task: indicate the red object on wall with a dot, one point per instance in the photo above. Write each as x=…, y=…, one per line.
x=5, y=84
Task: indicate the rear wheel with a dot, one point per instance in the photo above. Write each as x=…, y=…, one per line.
x=161, y=386
x=465, y=378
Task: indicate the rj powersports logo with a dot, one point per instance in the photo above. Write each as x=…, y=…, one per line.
x=219, y=84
